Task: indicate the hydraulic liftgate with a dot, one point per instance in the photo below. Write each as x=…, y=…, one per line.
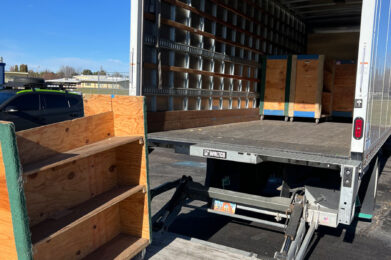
x=303, y=211
x=292, y=210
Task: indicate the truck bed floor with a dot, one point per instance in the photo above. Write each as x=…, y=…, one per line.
x=330, y=139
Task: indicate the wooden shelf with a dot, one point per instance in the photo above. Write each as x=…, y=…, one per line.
x=121, y=247
x=51, y=228
x=79, y=153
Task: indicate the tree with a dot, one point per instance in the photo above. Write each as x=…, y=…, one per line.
x=14, y=68
x=33, y=74
x=67, y=71
x=23, y=68
x=117, y=75
x=47, y=75
x=87, y=72
x=101, y=72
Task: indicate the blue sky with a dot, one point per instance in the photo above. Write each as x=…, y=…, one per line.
x=85, y=34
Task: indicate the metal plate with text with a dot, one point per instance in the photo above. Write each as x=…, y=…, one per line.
x=215, y=154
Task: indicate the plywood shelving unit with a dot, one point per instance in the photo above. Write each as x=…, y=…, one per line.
x=77, y=189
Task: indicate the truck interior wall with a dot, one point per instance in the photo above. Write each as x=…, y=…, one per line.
x=205, y=56
x=339, y=46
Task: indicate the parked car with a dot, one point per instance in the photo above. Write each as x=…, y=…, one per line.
x=30, y=108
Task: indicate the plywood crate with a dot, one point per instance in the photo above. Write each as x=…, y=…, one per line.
x=328, y=87
x=306, y=96
x=344, y=88
x=276, y=83
x=76, y=189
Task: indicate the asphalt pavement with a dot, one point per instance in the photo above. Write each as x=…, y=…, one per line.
x=361, y=240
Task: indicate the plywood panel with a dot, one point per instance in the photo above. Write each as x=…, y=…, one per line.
x=309, y=85
x=7, y=240
x=96, y=104
x=128, y=112
x=54, y=191
x=276, y=73
x=128, y=115
x=131, y=164
x=137, y=207
x=51, y=139
x=78, y=242
x=345, y=82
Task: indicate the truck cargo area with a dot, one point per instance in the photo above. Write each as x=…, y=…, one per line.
x=208, y=57
x=222, y=80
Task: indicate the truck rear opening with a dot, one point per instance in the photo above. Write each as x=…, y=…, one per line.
x=207, y=56
x=209, y=69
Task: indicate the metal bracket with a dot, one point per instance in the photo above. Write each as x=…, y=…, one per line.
x=347, y=199
x=347, y=176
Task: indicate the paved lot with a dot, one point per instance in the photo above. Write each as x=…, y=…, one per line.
x=362, y=240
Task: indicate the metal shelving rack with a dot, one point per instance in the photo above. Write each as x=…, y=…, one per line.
x=205, y=55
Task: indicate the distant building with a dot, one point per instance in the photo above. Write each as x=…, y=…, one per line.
x=2, y=70
x=10, y=75
x=94, y=81
x=64, y=81
x=108, y=82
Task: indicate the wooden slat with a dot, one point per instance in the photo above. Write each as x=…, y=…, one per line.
x=171, y=120
x=199, y=72
x=228, y=25
x=244, y=16
x=121, y=247
x=78, y=153
x=263, y=11
x=196, y=31
x=53, y=228
x=39, y=143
